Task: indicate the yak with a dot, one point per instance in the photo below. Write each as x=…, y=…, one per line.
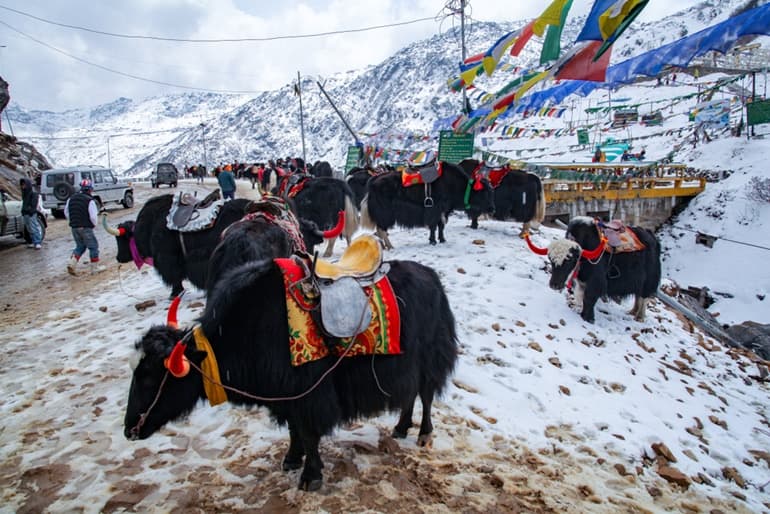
x=519, y=195
x=358, y=180
x=175, y=255
x=388, y=202
x=602, y=271
x=246, y=338
x=325, y=201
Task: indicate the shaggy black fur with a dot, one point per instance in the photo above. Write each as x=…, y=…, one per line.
x=245, y=321
x=613, y=275
x=171, y=261
x=389, y=203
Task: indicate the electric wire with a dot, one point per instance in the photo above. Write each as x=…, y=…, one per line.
x=219, y=40
x=129, y=75
x=722, y=238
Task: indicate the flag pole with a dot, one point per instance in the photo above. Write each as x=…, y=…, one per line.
x=298, y=90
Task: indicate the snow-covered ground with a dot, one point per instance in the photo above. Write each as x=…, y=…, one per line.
x=545, y=413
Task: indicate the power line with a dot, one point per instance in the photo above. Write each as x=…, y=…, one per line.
x=723, y=238
x=233, y=40
x=129, y=75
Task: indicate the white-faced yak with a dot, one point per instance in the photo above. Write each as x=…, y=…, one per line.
x=605, y=263
x=389, y=202
x=242, y=341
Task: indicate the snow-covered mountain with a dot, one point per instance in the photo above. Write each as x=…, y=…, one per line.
x=405, y=94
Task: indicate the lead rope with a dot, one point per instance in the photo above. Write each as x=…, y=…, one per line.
x=143, y=417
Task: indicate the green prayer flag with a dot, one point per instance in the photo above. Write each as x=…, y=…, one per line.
x=552, y=43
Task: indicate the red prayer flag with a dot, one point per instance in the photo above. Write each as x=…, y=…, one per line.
x=583, y=67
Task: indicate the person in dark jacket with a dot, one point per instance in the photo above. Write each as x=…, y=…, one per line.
x=227, y=183
x=82, y=212
x=31, y=204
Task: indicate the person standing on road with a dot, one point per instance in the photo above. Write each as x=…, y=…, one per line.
x=31, y=204
x=81, y=211
x=227, y=183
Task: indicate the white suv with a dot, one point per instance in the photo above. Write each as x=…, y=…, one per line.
x=57, y=185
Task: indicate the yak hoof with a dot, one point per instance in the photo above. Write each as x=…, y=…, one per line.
x=291, y=464
x=310, y=485
x=432, y=242
x=425, y=440
x=398, y=433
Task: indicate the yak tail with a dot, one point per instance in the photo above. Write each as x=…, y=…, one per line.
x=540, y=205
x=366, y=220
x=351, y=218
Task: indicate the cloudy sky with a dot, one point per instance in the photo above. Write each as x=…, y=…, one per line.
x=56, y=55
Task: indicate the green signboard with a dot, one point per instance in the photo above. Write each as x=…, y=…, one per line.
x=758, y=112
x=582, y=136
x=354, y=158
x=454, y=147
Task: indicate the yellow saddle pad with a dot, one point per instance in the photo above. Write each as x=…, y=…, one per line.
x=361, y=259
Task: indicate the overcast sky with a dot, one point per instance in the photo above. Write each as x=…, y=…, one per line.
x=44, y=62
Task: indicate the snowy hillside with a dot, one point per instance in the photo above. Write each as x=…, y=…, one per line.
x=405, y=94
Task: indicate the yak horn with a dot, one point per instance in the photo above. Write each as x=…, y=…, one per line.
x=111, y=230
x=594, y=254
x=171, y=318
x=337, y=230
x=176, y=363
x=536, y=249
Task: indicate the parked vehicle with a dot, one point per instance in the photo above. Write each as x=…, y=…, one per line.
x=11, y=220
x=164, y=173
x=57, y=185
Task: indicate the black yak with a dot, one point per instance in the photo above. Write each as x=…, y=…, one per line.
x=519, y=195
x=601, y=270
x=321, y=200
x=388, y=202
x=245, y=325
x=175, y=255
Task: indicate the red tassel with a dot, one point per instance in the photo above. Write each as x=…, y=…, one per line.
x=171, y=319
x=176, y=363
x=537, y=250
x=337, y=230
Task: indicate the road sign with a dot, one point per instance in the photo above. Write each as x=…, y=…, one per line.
x=454, y=147
x=582, y=136
x=354, y=158
x=758, y=112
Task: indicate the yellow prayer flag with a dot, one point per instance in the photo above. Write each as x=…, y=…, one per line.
x=611, y=19
x=551, y=16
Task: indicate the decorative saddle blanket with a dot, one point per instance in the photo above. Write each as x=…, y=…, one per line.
x=187, y=214
x=292, y=184
x=306, y=337
x=620, y=239
x=276, y=211
x=426, y=174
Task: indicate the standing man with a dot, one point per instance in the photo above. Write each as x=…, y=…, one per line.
x=31, y=204
x=81, y=211
x=227, y=183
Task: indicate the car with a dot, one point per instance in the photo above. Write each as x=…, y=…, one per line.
x=164, y=173
x=11, y=220
x=57, y=185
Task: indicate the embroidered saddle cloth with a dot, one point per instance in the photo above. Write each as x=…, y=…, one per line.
x=620, y=238
x=187, y=214
x=309, y=337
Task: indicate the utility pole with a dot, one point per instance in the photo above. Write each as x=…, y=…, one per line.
x=466, y=103
x=109, y=163
x=203, y=139
x=301, y=119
